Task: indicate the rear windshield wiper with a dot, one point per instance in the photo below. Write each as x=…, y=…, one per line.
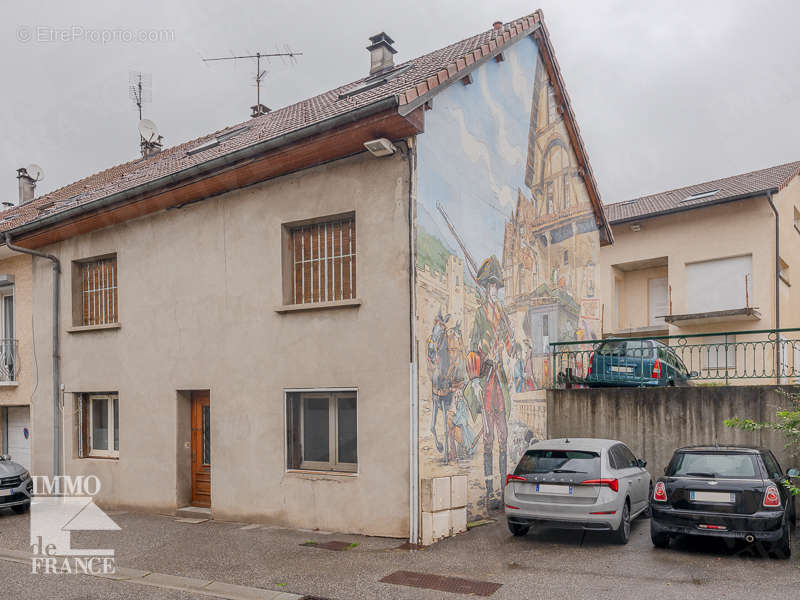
x=566, y=471
x=712, y=475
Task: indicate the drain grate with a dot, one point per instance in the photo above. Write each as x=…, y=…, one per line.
x=440, y=583
x=332, y=545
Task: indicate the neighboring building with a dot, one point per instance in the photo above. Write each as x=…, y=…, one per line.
x=702, y=260
x=273, y=323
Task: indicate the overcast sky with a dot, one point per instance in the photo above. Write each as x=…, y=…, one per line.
x=666, y=93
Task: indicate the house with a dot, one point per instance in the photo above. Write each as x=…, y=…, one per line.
x=709, y=258
x=332, y=315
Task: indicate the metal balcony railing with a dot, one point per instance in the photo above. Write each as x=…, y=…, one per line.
x=719, y=358
x=9, y=360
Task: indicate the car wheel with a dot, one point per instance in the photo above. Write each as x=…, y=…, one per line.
x=648, y=512
x=518, y=530
x=623, y=532
x=21, y=508
x=659, y=538
x=783, y=547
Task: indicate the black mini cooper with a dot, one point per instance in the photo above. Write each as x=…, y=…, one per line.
x=732, y=492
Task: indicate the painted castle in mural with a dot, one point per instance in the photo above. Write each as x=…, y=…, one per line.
x=507, y=249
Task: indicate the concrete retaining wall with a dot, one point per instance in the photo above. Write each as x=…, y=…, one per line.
x=653, y=422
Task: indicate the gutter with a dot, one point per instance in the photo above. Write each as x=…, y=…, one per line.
x=56, y=350
x=209, y=166
x=681, y=209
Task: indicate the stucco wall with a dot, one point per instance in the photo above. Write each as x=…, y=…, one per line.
x=19, y=393
x=722, y=231
x=198, y=288
x=654, y=422
x=497, y=159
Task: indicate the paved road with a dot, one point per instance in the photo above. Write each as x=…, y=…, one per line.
x=548, y=564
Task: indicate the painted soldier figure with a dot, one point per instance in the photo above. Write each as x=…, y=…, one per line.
x=487, y=391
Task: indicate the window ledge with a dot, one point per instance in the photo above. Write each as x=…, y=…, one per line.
x=114, y=458
x=9, y=384
x=84, y=328
x=312, y=472
x=287, y=308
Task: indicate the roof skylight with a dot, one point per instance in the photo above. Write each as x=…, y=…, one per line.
x=699, y=195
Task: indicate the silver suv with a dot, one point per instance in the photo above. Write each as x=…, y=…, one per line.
x=578, y=483
x=16, y=485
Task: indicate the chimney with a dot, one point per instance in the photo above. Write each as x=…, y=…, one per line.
x=380, y=53
x=150, y=149
x=27, y=186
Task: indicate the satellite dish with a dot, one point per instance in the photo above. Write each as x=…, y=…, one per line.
x=148, y=130
x=35, y=172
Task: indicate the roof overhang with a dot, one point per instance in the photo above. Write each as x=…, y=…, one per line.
x=322, y=142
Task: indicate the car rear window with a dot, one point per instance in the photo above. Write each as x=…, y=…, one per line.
x=713, y=464
x=558, y=461
x=637, y=348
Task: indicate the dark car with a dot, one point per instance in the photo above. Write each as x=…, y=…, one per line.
x=724, y=491
x=635, y=362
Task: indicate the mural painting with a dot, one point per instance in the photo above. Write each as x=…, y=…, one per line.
x=506, y=255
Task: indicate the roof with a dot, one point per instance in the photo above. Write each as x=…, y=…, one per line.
x=403, y=86
x=576, y=443
x=725, y=190
x=738, y=449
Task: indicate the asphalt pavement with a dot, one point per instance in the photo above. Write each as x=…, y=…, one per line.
x=545, y=564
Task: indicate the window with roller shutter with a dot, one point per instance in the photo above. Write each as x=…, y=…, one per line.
x=323, y=260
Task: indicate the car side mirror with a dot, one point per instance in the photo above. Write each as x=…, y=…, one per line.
x=5, y=457
x=694, y=374
x=642, y=462
x=793, y=472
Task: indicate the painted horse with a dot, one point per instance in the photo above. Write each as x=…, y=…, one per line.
x=447, y=370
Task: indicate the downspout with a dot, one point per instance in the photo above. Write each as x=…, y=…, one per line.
x=56, y=374
x=413, y=533
x=777, y=287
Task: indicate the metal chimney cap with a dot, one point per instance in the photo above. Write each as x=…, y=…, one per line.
x=381, y=40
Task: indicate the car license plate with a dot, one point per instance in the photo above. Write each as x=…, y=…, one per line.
x=622, y=369
x=548, y=488
x=700, y=496
x=6, y=492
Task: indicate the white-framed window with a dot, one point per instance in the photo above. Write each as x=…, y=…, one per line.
x=98, y=425
x=322, y=430
x=720, y=352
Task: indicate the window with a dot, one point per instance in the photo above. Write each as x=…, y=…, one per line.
x=720, y=352
x=700, y=195
x=98, y=292
x=566, y=257
x=8, y=343
x=624, y=457
x=98, y=426
x=322, y=431
x=549, y=188
x=714, y=464
x=552, y=115
x=773, y=468
x=565, y=190
x=323, y=261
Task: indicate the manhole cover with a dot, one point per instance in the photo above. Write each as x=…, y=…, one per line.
x=428, y=581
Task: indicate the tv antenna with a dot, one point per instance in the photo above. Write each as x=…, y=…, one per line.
x=140, y=89
x=260, y=109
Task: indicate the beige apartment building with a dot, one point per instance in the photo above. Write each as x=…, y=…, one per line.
x=19, y=373
x=705, y=259
x=287, y=321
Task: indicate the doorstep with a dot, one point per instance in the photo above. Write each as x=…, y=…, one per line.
x=193, y=512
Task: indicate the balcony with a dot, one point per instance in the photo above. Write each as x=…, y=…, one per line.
x=9, y=360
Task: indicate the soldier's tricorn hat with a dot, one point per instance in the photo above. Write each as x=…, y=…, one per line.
x=490, y=272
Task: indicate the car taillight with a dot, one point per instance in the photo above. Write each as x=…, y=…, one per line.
x=514, y=478
x=771, y=497
x=656, y=374
x=591, y=362
x=660, y=492
x=612, y=483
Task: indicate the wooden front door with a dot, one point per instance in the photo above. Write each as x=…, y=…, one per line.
x=201, y=449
